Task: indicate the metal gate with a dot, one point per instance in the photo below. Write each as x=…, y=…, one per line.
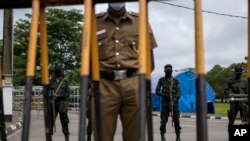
x=89, y=52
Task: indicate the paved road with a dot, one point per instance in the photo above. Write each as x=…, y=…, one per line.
x=217, y=129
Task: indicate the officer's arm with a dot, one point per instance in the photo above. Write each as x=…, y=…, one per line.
x=246, y=88
x=51, y=88
x=158, y=90
x=227, y=89
x=67, y=90
x=178, y=90
x=153, y=45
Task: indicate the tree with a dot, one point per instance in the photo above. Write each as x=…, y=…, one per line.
x=64, y=30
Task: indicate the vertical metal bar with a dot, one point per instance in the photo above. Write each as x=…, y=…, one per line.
x=2, y=122
x=7, y=69
x=45, y=73
x=148, y=93
x=94, y=51
x=200, y=74
x=44, y=47
x=143, y=25
x=149, y=112
x=85, y=66
x=6, y=66
x=142, y=112
x=248, y=62
x=47, y=113
x=96, y=77
x=7, y=42
x=30, y=70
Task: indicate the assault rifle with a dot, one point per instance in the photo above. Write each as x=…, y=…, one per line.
x=53, y=109
x=171, y=103
x=238, y=98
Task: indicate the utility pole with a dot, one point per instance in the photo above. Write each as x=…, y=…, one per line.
x=7, y=70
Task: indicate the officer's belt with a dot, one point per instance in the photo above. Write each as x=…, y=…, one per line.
x=118, y=74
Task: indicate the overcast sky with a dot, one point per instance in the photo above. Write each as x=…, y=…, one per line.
x=225, y=38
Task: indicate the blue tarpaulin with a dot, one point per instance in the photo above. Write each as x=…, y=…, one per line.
x=187, y=101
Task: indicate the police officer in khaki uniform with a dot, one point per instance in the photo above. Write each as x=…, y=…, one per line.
x=117, y=32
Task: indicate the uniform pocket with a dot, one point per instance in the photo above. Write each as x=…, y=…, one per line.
x=102, y=34
x=131, y=49
x=63, y=106
x=104, y=46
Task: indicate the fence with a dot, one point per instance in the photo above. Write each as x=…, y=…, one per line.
x=37, y=98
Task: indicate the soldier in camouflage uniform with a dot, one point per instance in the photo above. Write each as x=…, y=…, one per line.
x=236, y=86
x=169, y=90
x=59, y=100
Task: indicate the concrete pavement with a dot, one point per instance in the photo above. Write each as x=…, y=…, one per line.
x=217, y=129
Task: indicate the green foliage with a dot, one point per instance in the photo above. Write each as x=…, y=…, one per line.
x=218, y=76
x=64, y=30
x=221, y=109
x=73, y=77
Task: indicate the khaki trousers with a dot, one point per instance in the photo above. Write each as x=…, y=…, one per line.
x=119, y=97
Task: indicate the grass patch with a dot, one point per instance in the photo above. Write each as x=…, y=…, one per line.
x=221, y=109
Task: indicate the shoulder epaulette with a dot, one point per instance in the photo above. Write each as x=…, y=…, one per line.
x=133, y=13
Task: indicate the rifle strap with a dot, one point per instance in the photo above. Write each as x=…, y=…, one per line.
x=58, y=87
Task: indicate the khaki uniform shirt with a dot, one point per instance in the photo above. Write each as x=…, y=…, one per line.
x=118, y=42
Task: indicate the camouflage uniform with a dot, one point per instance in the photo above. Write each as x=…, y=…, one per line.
x=60, y=100
x=234, y=86
x=162, y=89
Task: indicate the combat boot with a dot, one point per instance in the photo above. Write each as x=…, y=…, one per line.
x=163, y=137
x=178, y=138
x=66, y=137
